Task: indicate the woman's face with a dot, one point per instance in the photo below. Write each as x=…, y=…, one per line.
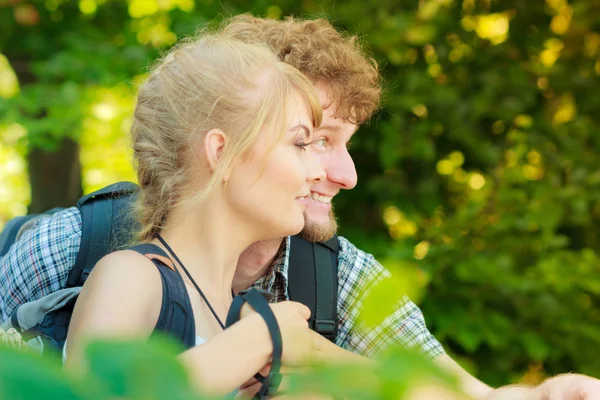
x=268, y=189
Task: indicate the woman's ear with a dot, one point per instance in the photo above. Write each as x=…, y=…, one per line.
x=214, y=144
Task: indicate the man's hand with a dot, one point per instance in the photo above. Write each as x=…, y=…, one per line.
x=568, y=387
x=561, y=387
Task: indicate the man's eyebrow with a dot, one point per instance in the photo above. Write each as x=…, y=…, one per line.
x=336, y=128
x=303, y=127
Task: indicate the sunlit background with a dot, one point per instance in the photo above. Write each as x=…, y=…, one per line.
x=479, y=178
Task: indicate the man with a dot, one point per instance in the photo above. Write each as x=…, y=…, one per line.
x=349, y=89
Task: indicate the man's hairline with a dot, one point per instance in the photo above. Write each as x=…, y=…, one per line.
x=321, y=84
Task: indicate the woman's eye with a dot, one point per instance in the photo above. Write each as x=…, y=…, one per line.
x=303, y=145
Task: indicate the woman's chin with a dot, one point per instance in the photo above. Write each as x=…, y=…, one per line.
x=294, y=227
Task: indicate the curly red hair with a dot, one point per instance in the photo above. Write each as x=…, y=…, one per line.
x=323, y=54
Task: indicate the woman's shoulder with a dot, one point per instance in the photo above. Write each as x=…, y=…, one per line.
x=122, y=295
x=124, y=289
x=126, y=264
x=125, y=275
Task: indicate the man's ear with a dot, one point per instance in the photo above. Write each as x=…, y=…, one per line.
x=215, y=141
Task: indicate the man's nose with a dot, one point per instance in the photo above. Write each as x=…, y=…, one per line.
x=341, y=170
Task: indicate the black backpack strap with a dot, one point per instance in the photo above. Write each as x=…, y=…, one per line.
x=312, y=280
x=176, y=317
x=259, y=301
x=107, y=223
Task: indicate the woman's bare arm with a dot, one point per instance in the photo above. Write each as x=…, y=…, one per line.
x=122, y=298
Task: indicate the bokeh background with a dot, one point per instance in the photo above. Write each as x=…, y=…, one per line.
x=479, y=180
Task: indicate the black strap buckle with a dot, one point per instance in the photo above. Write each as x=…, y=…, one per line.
x=326, y=328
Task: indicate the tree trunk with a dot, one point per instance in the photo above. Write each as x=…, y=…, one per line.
x=55, y=178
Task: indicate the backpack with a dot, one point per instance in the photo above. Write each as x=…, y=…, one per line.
x=107, y=223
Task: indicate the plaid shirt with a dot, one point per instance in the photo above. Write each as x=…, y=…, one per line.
x=357, y=272
x=40, y=261
x=47, y=253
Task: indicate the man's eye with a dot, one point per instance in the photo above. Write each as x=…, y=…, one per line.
x=322, y=142
x=349, y=145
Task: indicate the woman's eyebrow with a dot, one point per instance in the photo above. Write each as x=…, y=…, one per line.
x=303, y=127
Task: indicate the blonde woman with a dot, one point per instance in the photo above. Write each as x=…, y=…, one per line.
x=220, y=137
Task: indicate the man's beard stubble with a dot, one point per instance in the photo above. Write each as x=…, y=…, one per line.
x=314, y=232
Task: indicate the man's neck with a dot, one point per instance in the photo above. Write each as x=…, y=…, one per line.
x=254, y=263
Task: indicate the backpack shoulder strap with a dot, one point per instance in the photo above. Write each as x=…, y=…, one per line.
x=107, y=223
x=312, y=280
x=176, y=317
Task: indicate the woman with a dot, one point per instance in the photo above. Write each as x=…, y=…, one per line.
x=220, y=138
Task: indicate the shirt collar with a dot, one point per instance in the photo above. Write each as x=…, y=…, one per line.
x=278, y=270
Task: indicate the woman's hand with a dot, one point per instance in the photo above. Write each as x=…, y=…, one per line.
x=299, y=342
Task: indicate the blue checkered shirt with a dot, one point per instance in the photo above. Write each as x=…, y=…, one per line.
x=40, y=262
x=357, y=272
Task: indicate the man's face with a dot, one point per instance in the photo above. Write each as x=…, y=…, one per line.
x=330, y=146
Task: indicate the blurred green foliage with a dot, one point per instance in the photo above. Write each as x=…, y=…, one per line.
x=140, y=370
x=481, y=169
x=126, y=369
